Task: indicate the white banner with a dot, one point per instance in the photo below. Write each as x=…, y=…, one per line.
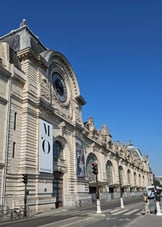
x=45, y=147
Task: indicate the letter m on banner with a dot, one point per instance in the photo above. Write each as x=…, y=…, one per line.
x=45, y=147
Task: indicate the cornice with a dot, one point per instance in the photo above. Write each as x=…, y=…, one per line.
x=29, y=54
x=3, y=100
x=4, y=71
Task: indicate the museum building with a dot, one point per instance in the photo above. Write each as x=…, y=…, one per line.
x=43, y=137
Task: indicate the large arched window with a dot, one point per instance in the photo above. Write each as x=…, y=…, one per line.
x=91, y=158
x=109, y=172
x=57, y=150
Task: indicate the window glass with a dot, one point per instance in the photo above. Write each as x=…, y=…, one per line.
x=57, y=150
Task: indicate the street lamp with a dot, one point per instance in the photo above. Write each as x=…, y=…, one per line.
x=120, y=186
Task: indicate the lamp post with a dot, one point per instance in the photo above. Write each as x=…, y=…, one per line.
x=120, y=186
x=98, y=197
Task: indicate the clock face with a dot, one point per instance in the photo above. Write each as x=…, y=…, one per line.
x=59, y=87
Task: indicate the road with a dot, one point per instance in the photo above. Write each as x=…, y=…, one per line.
x=112, y=215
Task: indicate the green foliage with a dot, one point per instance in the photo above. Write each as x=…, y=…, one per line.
x=157, y=183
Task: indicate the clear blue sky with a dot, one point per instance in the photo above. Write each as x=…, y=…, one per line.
x=115, y=49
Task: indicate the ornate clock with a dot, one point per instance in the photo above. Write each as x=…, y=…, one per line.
x=59, y=87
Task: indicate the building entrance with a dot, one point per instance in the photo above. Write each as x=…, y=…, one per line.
x=58, y=188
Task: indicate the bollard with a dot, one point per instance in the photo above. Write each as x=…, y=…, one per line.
x=98, y=207
x=158, y=210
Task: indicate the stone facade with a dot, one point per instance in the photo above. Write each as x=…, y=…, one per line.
x=43, y=134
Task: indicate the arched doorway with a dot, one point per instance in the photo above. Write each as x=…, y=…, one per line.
x=58, y=188
x=121, y=176
x=58, y=176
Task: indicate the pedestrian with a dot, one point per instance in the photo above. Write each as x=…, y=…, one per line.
x=146, y=203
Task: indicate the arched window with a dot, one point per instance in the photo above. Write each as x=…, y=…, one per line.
x=57, y=150
x=109, y=172
x=91, y=158
x=121, y=174
x=139, y=179
x=129, y=176
x=135, y=179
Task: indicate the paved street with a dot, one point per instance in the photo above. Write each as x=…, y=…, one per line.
x=112, y=215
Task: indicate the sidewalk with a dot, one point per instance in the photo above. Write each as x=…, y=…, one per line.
x=146, y=221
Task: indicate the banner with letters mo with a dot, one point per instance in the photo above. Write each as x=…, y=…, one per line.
x=45, y=147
